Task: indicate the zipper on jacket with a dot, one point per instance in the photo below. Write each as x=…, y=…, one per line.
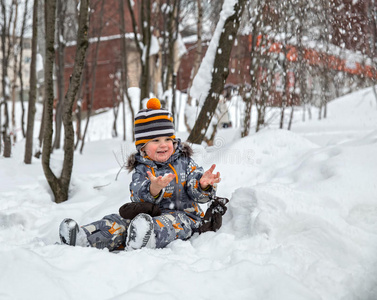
x=177, y=187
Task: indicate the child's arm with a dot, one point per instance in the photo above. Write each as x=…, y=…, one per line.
x=199, y=183
x=140, y=186
x=208, y=178
x=158, y=183
x=148, y=189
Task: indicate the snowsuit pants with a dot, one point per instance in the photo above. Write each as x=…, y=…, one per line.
x=172, y=225
x=111, y=231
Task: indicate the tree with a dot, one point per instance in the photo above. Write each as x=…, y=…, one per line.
x=61, y=41
x=93, y=74
x=15, y=65
x=21, y=45
x=33, y=88
x=145, y=49
x=170, y=37
x=60, y=185
x=199, y=48
x=124, y=71
x=229, y=27
x=325, y=61
x=372, y=9
x=197, y=59
x=252, y=69
x=6, y=47
x=261, y=67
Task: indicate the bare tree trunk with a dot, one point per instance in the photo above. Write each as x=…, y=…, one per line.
x=61, y=18
x=114, y=132
x=253, y=82
x=247, y=118
x=25, y=17
x=69, y=134
x=221, y=64
x=94, y=77
x=41, y=129
x=145, y=24
x=291, y=116
x=15, y=59
x=325, y=72
x=172, y=33
x=124, y=70
x=198, y=57
x=302, y=66
x=33, y=89
x=6, y=46
x=147, y=42
x=60, y=186
x=198, y=52
x=50, y=11
x=78, y=122
x=173, y=36
x=261, y=108
x=286, y=94
x=373, y=42
x=261, y=100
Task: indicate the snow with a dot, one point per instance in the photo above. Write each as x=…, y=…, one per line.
x=301, y=221
x=39, y=63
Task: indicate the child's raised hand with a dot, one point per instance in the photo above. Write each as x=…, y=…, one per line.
x=158, y=183
x=209, y=178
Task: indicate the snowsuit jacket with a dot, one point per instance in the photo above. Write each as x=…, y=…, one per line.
x=183, y=193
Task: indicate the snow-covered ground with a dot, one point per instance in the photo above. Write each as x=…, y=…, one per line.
x=301, y=223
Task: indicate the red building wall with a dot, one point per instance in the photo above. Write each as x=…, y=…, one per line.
x=351, y=30
x=107, y=64
x=239, y=64
x=109, y=55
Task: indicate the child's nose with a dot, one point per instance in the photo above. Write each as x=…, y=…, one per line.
x=164, y=143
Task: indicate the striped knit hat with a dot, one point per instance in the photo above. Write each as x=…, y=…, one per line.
x=152, y=123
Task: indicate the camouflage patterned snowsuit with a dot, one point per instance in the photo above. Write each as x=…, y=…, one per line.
x=178, y=201
x=181, y=214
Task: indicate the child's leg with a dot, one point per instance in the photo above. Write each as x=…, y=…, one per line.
x=171, y=226
x=108, y=233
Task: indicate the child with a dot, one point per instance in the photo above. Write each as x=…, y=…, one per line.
x=166, y=188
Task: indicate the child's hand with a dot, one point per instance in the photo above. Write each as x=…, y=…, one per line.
x=208, y=178
x=158, y=183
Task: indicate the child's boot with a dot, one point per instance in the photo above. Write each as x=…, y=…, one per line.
x=140, y=233
x=71, y=234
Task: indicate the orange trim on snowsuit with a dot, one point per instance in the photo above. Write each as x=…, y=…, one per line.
x=159, y=223
x=175, y=172
x=112, y=230
x=176, y=226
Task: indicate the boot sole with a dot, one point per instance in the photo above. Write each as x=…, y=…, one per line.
x=68, y=232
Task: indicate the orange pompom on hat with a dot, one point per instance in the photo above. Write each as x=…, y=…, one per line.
x=153, y=103
x=152, y=122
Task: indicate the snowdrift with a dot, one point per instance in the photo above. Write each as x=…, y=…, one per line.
x=301, y=223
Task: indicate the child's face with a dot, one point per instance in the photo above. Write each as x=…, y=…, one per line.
x=159, y=149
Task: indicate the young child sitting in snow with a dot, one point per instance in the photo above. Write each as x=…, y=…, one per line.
x=166, y=188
